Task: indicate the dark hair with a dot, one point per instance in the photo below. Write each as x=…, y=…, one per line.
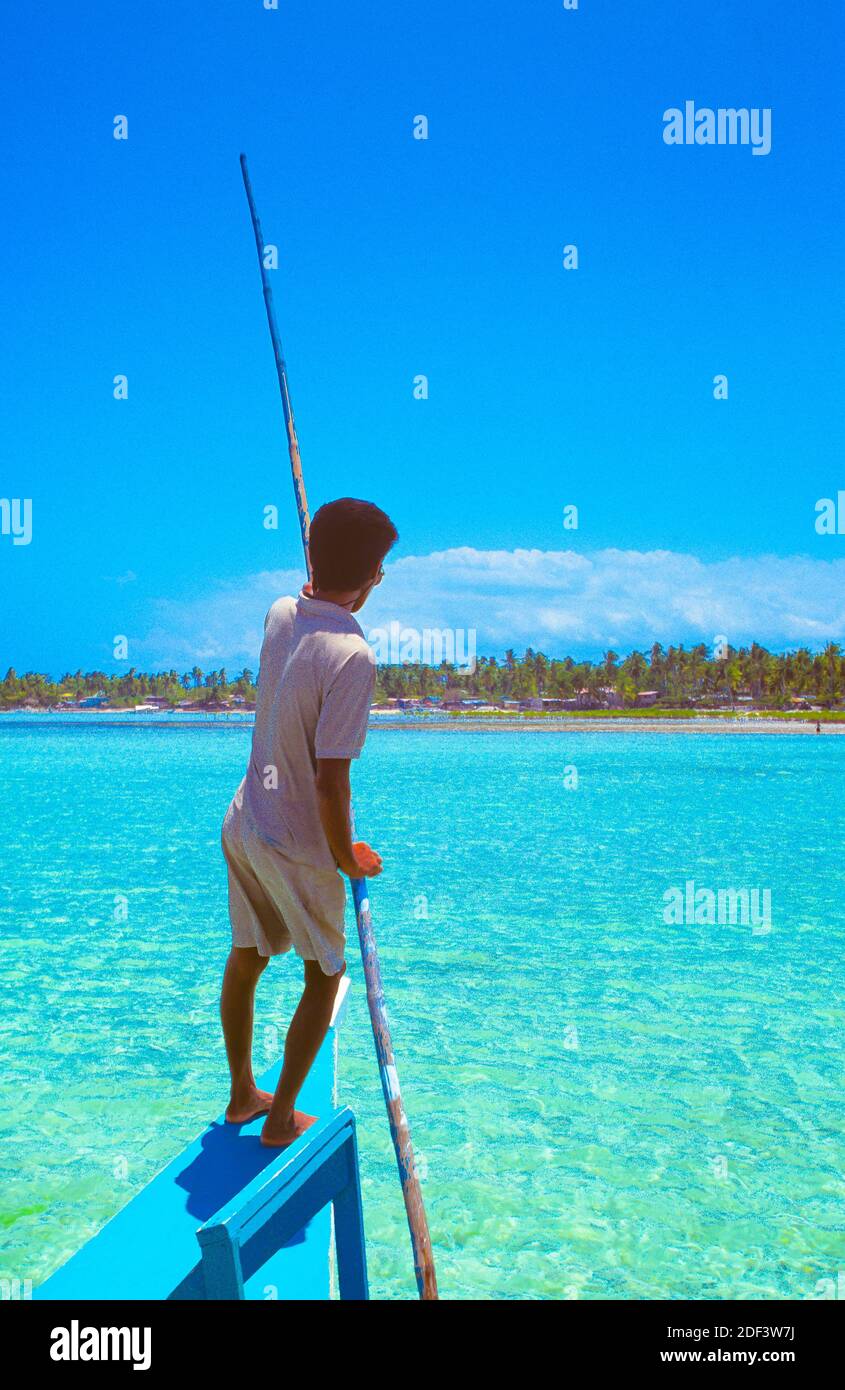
x=348, y=540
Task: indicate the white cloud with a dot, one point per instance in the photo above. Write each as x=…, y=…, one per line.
x=557, y=601
x=222, y=628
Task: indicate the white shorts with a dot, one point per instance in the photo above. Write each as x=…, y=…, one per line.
x=275, y=903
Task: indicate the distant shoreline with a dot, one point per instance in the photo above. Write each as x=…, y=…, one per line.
x=463, y=723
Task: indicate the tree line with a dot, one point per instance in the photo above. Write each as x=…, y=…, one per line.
x=682, y=677
x=124, y=691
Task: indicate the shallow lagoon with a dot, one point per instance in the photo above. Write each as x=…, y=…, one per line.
x=603, y=1105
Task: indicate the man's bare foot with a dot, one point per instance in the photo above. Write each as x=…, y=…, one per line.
x=243, y=1108
x=279, y=1136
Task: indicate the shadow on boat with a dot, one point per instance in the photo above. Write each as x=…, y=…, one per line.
x=228, y=1160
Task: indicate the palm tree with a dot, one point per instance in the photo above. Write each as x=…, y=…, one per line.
x=626, y=688
x=697, y=661
x=634, y=667
x=733, y=679
x=609, y=661
x=802, y=668
x=658, y=666
x=755, y=668
x=833, y=672
x=541, y=671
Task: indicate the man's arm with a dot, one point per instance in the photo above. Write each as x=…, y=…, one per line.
x=333, y=799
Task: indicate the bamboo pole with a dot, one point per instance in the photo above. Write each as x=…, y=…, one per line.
x=399, y=1130
x=282, y=373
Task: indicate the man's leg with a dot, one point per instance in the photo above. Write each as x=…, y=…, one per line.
x=237, y=1007
x=308, y=1027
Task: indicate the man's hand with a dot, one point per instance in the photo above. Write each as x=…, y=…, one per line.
x=368, y=862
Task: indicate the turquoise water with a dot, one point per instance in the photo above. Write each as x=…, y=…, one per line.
x=603, y=1105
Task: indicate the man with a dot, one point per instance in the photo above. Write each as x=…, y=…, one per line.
x=288, y=830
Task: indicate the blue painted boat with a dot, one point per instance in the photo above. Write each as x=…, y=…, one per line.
x=230, y=1219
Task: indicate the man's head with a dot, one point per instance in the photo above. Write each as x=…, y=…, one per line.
x=348, y=541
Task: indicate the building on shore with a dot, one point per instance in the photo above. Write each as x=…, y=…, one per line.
x=455, y=697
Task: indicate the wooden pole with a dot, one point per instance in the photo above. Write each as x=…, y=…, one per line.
x=399, y=1130
x=282, y=373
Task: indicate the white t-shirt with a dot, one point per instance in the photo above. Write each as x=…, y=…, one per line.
x=315, y=688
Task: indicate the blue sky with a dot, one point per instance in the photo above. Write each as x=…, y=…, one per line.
x=441, y=257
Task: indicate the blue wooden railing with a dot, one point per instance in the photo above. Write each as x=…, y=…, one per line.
x=265, y=1227
x=321, y=1168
